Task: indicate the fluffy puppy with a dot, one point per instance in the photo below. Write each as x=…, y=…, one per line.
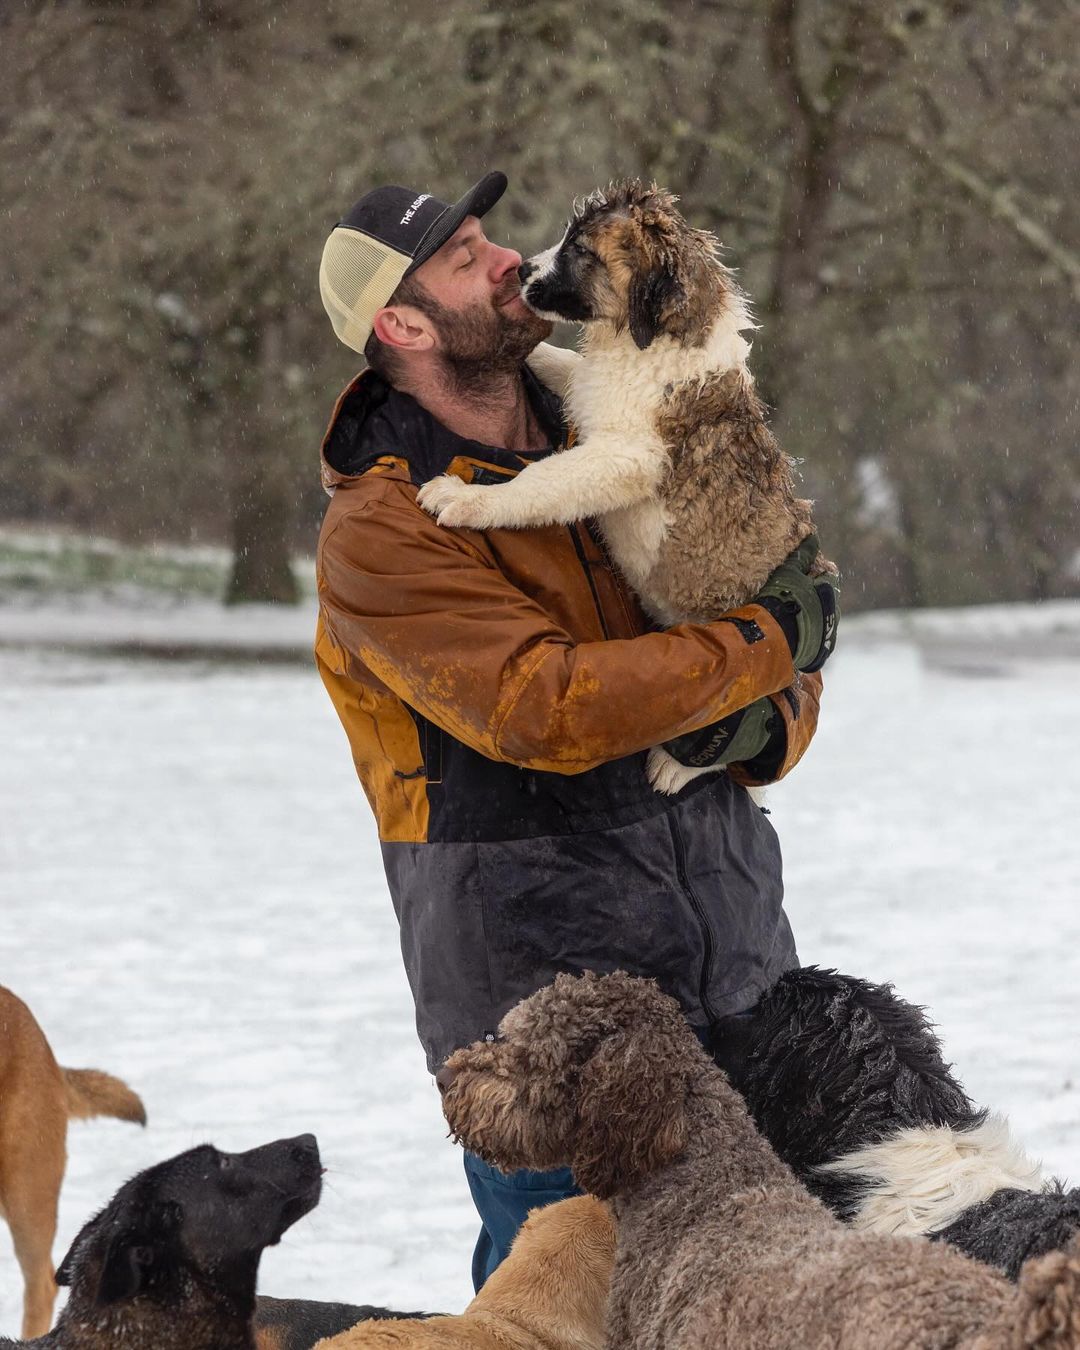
x=549, y=1294
x=695, y=498
x=719, y=1244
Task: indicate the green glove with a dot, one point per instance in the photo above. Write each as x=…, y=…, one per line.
x=806, y=608
x=739, y=737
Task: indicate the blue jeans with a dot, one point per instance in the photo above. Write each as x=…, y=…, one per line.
x=503, y=1200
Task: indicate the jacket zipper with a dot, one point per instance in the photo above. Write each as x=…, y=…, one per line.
x=700, y=915
x=579, y=549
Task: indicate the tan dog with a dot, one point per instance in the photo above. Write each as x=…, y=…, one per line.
x=37, y=1098
x=549, y=1294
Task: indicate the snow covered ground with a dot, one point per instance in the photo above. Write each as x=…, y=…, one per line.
x=192, y=898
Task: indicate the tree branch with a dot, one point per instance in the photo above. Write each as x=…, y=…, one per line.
x=1000, y=201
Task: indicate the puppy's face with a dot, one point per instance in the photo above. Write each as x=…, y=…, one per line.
x=588, y=1073
x=205, y=1214
x=627, y=259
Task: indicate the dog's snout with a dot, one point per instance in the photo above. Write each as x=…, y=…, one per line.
x=305, y=1149
x=526, y=270
x=444, y=1078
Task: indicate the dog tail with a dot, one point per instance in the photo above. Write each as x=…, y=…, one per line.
x=1049, y=1295
x=93, y=1093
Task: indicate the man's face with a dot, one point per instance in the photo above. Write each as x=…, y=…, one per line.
x=480, y=323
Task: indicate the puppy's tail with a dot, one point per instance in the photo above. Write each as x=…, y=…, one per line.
x=93, y=1093
x=1049, y=1297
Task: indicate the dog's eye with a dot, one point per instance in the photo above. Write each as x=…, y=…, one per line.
x=581, y=250
x=224, y=1162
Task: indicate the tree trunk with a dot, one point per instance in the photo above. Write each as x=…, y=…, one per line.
x=262, y=505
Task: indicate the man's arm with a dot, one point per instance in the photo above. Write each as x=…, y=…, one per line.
x=442, y=627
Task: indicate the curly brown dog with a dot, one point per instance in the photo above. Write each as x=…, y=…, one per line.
x=719, y=1244
x=549, y=1293
x=37, y=1099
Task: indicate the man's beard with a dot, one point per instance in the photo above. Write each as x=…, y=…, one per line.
x=481, y=345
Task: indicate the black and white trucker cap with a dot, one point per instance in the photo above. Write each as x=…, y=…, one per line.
x=387, y=234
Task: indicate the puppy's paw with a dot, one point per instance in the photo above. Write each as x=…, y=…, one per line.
x=554, y=366
x=667, y=775
x=454, y=503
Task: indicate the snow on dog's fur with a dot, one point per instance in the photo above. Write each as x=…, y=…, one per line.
x=695, y=498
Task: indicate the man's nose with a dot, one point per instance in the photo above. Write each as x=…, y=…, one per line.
x=507, y=260
x=444, y=1078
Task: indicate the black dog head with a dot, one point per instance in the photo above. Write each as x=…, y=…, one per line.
x=198, y=1221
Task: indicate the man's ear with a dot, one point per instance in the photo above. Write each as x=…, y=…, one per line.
x=394, y=326
x=631, y=1115
x=653, y=292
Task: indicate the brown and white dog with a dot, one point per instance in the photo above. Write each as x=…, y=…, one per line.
x=694, y=497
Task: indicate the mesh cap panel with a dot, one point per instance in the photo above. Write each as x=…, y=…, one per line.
x=357, y=276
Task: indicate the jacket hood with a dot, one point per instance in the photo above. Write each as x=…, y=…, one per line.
x=372, y=420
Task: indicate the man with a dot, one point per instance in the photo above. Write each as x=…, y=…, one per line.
x=499, y=689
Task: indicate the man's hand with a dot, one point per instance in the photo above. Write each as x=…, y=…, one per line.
x=739, y=737
x=806, y=608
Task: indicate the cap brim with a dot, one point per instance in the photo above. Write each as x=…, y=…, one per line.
x=478, y=201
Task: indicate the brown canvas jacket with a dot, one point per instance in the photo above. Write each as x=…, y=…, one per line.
x=503, y=686
x=525, y=645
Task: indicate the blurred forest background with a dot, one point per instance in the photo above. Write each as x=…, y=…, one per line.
x=895, y=182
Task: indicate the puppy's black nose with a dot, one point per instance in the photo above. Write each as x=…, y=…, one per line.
x=525, y=271
x=444, y=1078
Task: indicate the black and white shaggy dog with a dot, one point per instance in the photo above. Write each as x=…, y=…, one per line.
x=847, y=1082
x=171, y=1262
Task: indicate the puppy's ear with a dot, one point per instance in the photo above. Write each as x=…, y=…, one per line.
x=653, y=292
x=631, y=1114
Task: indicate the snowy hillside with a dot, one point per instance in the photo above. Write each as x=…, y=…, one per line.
x=193, y=899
